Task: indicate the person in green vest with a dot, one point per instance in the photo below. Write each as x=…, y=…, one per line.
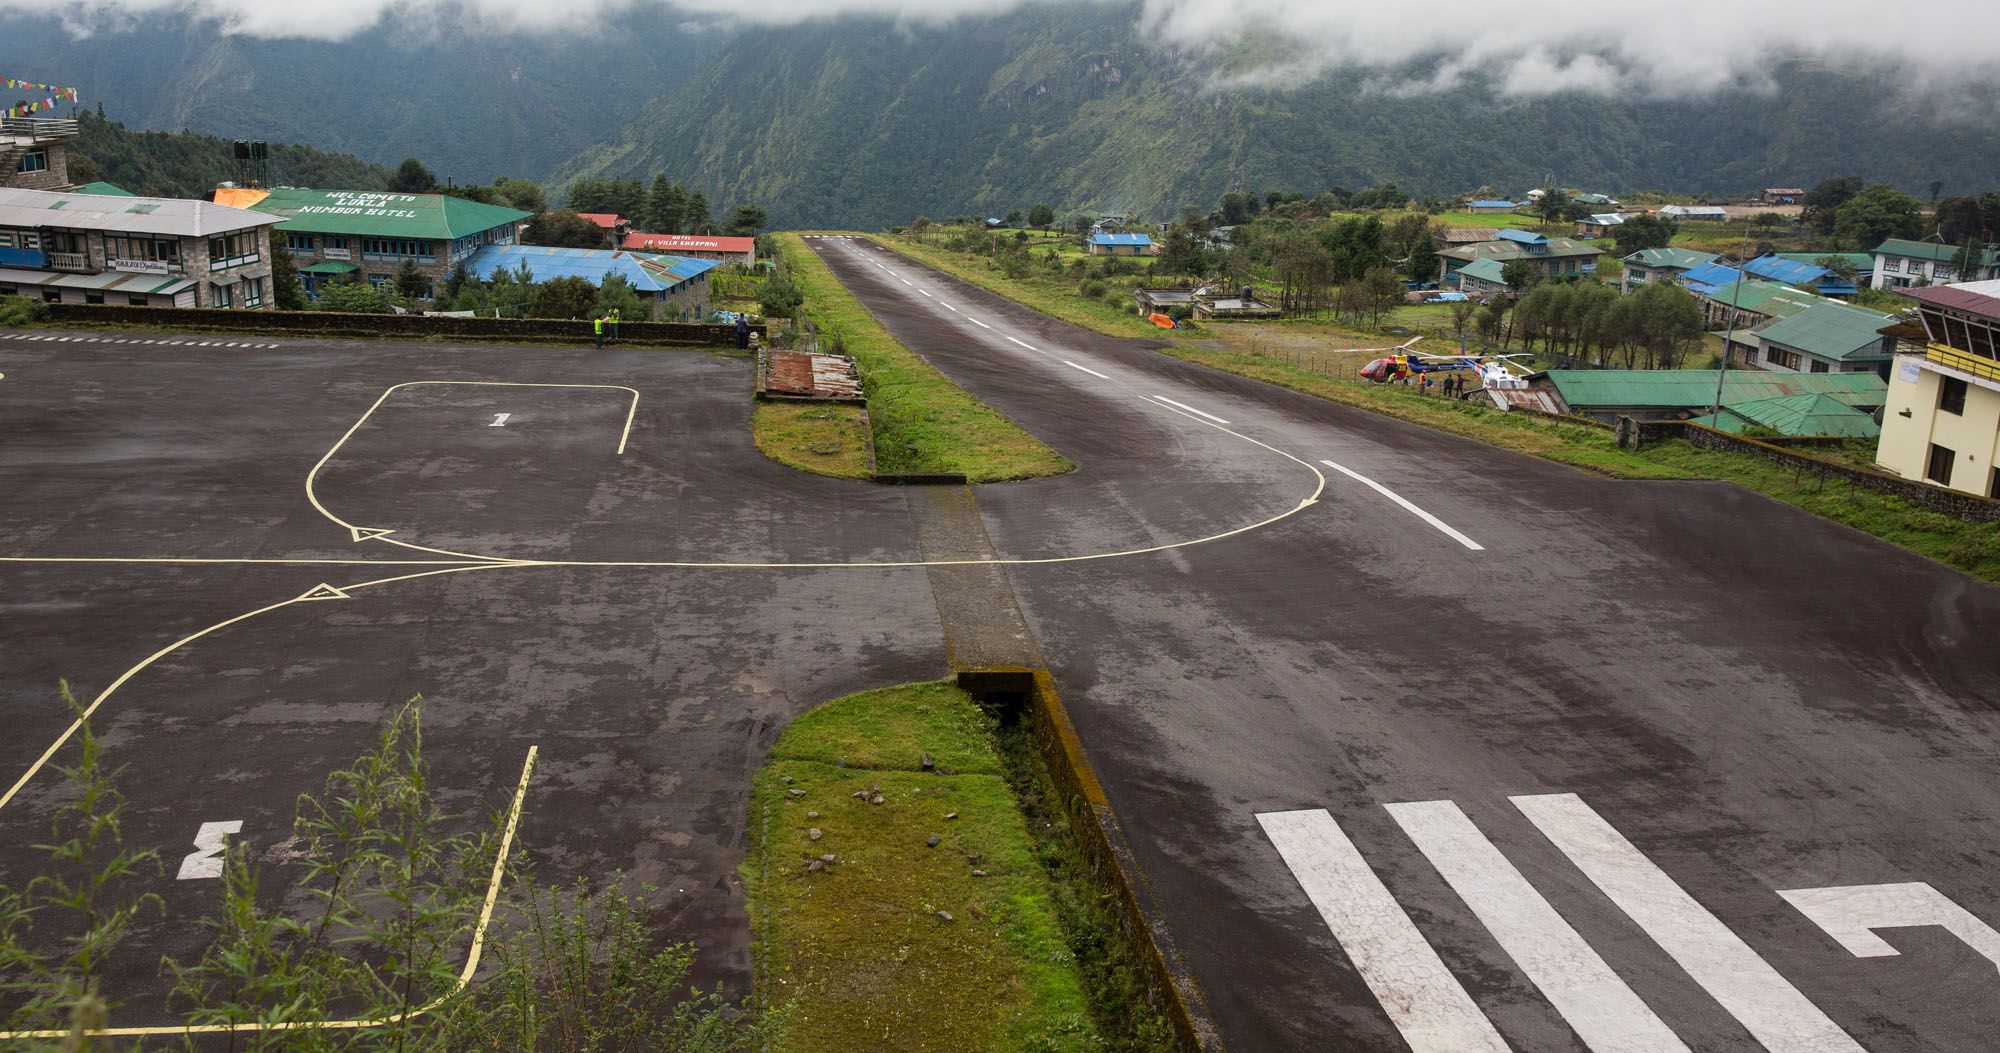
x=597, y=325
x=614, y=325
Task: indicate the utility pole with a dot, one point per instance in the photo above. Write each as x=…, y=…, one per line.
x=1729, y=333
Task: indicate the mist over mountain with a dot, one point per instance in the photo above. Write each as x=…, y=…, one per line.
x=472, y=105
x=867, y=119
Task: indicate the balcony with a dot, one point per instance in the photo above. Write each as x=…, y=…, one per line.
x=1984, y=369
x=73, y=262
x=37, y=131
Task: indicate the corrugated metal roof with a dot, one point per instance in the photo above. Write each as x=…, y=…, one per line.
x=1926, y=250
x=672, y=243
x=1485, y=270
x=1980, y=298
x=1765, y=298
x=1680, y=259
x=1468, y=235
x=607, y=220
x=1121, y=239
x=1513, y=250
x=174, y=216
x=1490, y=204
x=119, y=281
x=330, y=267
x=1796, y=415
x=1831, y=330
x=1608, y=219
x=365, y=213
x=1521, y=237
x=1862, y=262
x=1790, y=272
x=646, y=272
x=1587, y=390
x=102, y=189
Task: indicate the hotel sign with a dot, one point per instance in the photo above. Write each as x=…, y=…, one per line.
x=141, y=266
x=363, y=204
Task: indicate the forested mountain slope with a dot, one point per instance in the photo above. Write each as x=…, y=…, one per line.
x=858, y=123
x=189, y=164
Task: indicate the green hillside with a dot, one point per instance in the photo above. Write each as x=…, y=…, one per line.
x=186, y=164
x=853, y=123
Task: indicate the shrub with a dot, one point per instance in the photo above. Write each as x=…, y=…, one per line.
x=19, y=311
x=1092, y=289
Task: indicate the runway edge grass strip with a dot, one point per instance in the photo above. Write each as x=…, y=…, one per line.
x=958, y=945
x=923, y=423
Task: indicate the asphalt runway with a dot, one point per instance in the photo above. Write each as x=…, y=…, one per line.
x=651, y=690
x=1476, y=752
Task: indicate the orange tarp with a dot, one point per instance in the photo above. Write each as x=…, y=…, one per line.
x=239, y=197
x=1163, y=321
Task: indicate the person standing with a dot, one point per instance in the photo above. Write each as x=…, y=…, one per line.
x=597, y=326
x=742, y=331
x=614, y=325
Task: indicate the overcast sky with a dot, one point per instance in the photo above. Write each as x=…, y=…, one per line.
x=1668, y=50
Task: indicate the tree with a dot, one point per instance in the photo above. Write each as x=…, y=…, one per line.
x=411, y=177
x=1384, y=291
x=667, y=208
x=618, y=293
x=1823, y=202
x=521, y=193
x=747, y=221
x=565, y=229
x=1080, y=226
x=566, y=297
x=1968, y=262
x=1013, y=218
x=695, y=219
x=1554, y=204
x=411, y=282
x=1875, y=214
x=779, y=298
x=591, y=195
x=1520, y=275
x=286, y=292
x=1236, y=209
x=1041, y=216
x=1666, y=322
x=1184, y=252
x=1961, y=219
x=1644, y=232
x=455, y=284
x=352, y=297
x=1840, y=266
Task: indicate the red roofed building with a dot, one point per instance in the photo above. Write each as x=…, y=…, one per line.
x=607, y=220
x=742, y=251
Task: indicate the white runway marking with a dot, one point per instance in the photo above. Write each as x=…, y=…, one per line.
x=209, y=841
x=949, y=307
x=1190, y=409
x=1851, y=914
x=1086, y=369
x=1407, y=506
x=1605, y=1012
x=1766, y=1004
x=926, y=292
x=1425, y=1002
x=1021, y=343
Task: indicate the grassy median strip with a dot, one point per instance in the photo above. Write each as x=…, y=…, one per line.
x=826, y=438
x=897, y=906
x=923, y=422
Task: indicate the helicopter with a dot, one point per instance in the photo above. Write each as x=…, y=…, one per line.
x=1493, y=370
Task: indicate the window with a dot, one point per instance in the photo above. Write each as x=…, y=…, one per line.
x=1780, y=357
x=35, y=161
x=151, y=250
x=253, y=292
x=1820, y=367
x=51, y=294
x=299, y=242
x=336, y=241
x=224, y=296
x=398, y=247
x=1939, y=468
x=136, y=300
x=93, y=297
x=232, y=250
x=1951, y=396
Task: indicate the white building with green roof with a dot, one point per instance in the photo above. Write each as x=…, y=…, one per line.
x=367, y=236
x=1901, y=264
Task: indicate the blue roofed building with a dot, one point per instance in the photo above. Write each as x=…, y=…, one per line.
x=676, y=284
x=1668, y=264
x=1483, y=207
x=1557, y=258
x=1103, y=244
x=1800, y=274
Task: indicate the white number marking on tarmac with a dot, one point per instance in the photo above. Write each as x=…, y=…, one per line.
x=1407, y=506
x=1851, y=914
x=1086, y=369
x=499, y=420
x=1605, y=1012
x=210, y=839
x=1190, y=409
x=1423, y=999
x=1766, y=1004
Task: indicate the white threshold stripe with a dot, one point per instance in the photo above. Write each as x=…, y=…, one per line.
x=1407, y=506
x=1190, y=409
x=1603, y=1011
x=1419, y=994
x=1765, y=1003
x=1086, y=369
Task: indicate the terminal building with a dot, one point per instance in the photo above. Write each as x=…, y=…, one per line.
x=73, y=247
x=1942, y=424
x=343, y=235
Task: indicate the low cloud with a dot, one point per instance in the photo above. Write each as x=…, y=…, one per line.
x=1694, y=48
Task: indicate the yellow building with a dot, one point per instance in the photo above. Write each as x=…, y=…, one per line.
x=1942, y=420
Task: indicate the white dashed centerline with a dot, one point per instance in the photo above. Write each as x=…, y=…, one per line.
x=979, y=323
x=1086, y=369
x=1020, y=343
x=1190, y=409
x=1407, y=506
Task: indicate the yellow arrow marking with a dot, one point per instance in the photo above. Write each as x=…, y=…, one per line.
x=360, y=534
x=323, y=591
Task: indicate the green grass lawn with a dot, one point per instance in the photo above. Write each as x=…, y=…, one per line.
x=826, y=439
x=922, y=421
x=897, y=943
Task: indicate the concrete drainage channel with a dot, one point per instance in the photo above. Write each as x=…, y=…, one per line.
x=998, y=662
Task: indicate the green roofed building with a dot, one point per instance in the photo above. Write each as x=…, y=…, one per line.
x=1900, y=264
x=1656, y=264
x=1672, y=394
x=1482, y=278
x=101, y=189
x=1829, y=337
x=1794, y=416
x=366, y=236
